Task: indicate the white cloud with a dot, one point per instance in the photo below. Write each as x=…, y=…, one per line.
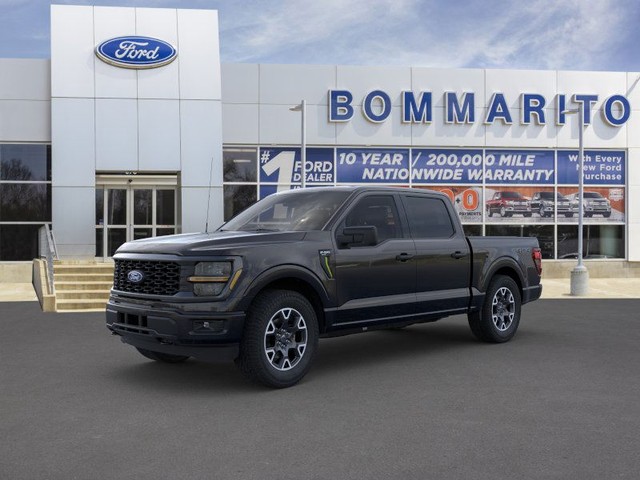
x=536, y=34
x=547, y=34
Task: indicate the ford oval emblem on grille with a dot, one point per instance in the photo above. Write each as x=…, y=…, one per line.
x=136, y=52
x=135, y=276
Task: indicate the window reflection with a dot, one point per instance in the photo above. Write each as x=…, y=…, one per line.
x=239, y=164
x=25, y=202
x=117, y=206
x=599, y=241
x=237, y=198
x=142, y=207
x=30, y=163
x=165, y=207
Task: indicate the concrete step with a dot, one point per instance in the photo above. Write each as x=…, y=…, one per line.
x=83, y=277
x=76, y=305
x=94, y=285
x=82, y=294
x=83, y=269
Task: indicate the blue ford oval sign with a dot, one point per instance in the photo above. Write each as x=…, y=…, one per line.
x=135, y=276
x=136, y=52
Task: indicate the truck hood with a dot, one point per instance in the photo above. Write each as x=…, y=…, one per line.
x=199, y=243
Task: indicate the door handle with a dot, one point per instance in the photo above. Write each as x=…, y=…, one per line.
x=457, y=255
x=403, y=257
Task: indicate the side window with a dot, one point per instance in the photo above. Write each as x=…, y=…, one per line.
x=428, y=218
x=378, y=211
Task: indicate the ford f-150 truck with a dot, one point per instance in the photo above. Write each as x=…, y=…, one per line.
x=312, y=263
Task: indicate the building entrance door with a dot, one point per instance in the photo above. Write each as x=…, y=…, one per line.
x=132, y=208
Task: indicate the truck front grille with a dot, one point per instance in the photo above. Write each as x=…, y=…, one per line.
x=157, y=278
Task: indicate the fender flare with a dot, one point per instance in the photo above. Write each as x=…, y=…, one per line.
x=281, y=272
x=502, y=262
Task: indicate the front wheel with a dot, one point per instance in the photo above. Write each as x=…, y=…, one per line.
x=280, y=338
x=161, y=357
x=499, y=317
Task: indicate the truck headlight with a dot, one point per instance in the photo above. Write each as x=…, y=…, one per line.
x=210, y=278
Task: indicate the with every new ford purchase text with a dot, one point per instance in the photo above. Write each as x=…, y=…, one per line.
x=311, y=263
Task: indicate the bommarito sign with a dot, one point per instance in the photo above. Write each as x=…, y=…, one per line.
x=459, y=108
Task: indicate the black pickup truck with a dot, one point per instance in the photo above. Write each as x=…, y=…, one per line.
x=313, y=263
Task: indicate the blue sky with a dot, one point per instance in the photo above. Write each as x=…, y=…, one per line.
x=533, y=34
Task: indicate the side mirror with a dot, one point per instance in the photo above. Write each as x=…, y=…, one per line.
x=362, y=236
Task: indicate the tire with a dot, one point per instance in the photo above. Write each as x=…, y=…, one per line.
x=588, y=215
x=161, y=357
x=527, y=214
x=498, y=320
x=606, y=215
x=275, y=351
x=568, y=215
x=489, y=212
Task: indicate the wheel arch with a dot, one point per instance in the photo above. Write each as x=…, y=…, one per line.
x=508, y=267
x=293, y=278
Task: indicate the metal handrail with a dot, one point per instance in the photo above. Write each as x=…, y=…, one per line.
x=48, y=250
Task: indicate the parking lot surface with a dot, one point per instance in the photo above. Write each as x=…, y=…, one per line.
x=562, y=400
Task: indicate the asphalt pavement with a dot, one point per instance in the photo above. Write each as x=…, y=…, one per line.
x=560, y=401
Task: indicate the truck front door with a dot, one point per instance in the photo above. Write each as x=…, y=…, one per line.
x=374, y=280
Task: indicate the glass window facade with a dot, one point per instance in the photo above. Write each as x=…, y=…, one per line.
x=25, y=198
x=516, y=192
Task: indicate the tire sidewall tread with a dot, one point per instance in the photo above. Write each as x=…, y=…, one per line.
x=481, y=322
x=252, y=359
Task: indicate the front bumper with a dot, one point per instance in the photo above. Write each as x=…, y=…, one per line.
x=204, y=335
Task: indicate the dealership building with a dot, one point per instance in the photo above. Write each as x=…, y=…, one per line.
x=134, y=129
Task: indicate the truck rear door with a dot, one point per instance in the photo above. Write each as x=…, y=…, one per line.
x=443, y=255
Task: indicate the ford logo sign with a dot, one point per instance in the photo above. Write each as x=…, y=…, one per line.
x=135, y=276
x=136, y=52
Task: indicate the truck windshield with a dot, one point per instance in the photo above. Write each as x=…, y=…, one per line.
x=297, y=210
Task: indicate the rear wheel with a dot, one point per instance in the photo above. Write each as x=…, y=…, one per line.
x=499, y=317
x=161, y=357
x=280, y=338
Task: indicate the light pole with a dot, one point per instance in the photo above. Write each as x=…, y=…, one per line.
x=580, y=274
x=302, y=107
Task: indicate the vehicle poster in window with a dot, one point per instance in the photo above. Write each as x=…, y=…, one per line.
x=601, y=167
x=524, y=167
x=446, y=166
x=283, y=166
x=511, y=204
x=545, y=203
x=373, y=165
x=601, y=205
x=467, y=201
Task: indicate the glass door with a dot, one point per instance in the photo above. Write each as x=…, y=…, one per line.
x=133, y=211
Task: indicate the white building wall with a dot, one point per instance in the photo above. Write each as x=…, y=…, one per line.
x=25, y=100
x=110, y=119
